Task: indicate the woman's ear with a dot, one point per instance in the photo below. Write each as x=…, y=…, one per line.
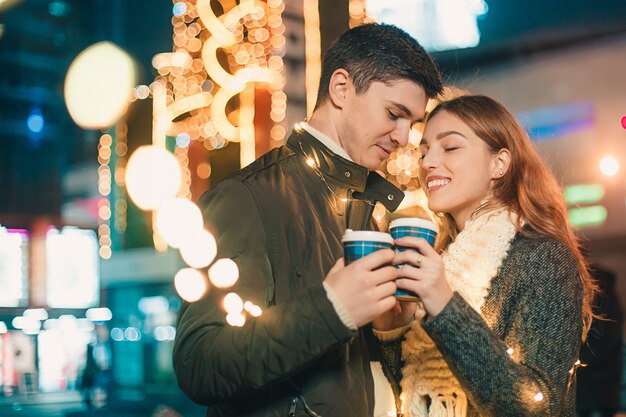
x=500, y=163
x=338, y=87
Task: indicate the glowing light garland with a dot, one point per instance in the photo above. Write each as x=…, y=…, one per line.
x=191, y=99
x=313, y=52
x=199, y=88
x=104, y=188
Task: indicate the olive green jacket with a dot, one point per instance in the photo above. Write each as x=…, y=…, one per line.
x=281, y=221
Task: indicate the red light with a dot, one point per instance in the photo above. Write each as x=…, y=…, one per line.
x=624, y=122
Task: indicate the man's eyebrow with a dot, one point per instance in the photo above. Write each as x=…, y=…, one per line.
x=443, y=135
x=406, y=111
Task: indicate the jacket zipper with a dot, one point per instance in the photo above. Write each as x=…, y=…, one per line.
x=292, y=408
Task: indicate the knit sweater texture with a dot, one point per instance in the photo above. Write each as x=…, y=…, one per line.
x=516, y=358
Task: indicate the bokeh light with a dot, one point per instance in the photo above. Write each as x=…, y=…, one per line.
x=233, y=303
x=98, y=85
x=190, y=284
x=177, y=220
x=35, y=121
x=609, y=166
x=183, y=140
x=235, y=319
x=224, y=273
x=152, y=177
x=199, y=250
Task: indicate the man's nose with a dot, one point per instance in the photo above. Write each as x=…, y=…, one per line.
x=400, y=134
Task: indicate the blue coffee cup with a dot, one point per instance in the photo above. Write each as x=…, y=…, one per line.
x=360, y=243
x=414, y=227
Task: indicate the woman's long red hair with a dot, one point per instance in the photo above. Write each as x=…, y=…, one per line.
x=528, y=187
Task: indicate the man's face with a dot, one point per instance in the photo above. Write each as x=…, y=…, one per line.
x=373, y=124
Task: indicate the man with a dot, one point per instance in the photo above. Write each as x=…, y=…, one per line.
x=281, y=220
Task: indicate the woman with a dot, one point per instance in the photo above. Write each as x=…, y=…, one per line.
x=507, y=304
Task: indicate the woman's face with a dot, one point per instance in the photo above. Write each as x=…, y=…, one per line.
x=456, y=167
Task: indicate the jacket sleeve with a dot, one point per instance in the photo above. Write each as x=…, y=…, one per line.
x=530, y=372
x=215, y=362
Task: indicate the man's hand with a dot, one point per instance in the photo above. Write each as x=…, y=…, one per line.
x=366, y=287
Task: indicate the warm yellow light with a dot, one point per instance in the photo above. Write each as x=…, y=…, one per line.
x=199, y=250
x=609, y=166
x=256, y=311
x=190, y=284
x=204, y=170
x=187, y=104
x=105, y=252
x=538, y=396
x=171, y=59
x=152, y=177
x=313, y=52
x=247, y=152
x=98, y=85
x=235, y=319
x=142, y=92
x=233, y=303
x=177, y=220
x=224, y=273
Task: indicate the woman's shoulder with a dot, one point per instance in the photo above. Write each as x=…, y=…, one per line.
x=533, y=257
x=531, y=246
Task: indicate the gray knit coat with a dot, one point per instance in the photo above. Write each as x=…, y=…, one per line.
x=535, y=305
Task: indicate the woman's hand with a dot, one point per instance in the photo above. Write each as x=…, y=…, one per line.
x=423, y=273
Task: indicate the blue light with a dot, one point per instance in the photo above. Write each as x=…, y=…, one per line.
x=35, y=121
x=59, y=8
x=179, y=9
x=183, y=140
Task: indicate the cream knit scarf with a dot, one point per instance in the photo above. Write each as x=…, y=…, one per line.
x=471, y=261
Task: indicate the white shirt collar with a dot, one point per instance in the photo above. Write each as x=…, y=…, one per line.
x=326, y=140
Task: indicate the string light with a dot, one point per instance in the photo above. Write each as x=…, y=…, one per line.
x=235, y=319
x=313, y=52
x=248, y=57
x=311, y=163
x=199, y=249
x=356, y=10
x=104, y=188
x=191, y=97
x=577, y=364
x=246, y=126
x=121, y=148
x=275, y=63
x=224, y=273
x=233, y=303
x=190, y=284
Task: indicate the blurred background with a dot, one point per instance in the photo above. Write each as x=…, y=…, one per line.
x=116, y=115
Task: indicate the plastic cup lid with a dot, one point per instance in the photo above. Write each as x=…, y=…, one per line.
x=366, y=235
x=414, y=222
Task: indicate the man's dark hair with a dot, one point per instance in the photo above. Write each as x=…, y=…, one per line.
x=379, y=52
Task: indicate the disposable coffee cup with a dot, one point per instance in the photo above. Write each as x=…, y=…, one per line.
x=360, y=243
x=414, y=227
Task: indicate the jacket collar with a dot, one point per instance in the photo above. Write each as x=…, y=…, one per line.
x=367, y=185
